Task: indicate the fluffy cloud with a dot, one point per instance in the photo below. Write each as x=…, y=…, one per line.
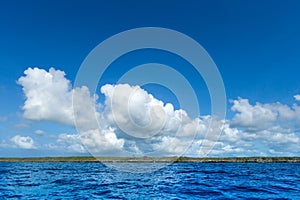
x=93, y=141
x=261, y=116
x=48, y=95
x=147, y=124
x=132, y=121
x=70, y=142
x=100, y=142
x=297, y=97
x=275, y=140
x=140, y=115
x=49, y=98
x=251, y=117
x=263, y=129
x=23, y=142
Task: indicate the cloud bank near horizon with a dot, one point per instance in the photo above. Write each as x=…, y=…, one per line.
x=133, y=122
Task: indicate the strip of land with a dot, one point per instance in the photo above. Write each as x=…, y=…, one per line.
x=151, y=159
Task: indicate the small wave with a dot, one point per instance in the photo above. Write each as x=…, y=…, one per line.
x=30, y=184
x=61, y=181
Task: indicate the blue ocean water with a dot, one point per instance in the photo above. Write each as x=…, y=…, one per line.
x=58, y=180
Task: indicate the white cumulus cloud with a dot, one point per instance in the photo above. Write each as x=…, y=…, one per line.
x=251, y=117
x=261, y=116
x=48, y=95
x=23, y=142
x=132, y=121
x=297, y=97
x=49, y=98
x=139, y=114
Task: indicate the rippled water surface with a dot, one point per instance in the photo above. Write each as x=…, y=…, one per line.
x=59, y=180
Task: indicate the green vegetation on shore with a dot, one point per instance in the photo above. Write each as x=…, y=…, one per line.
x=150, y=159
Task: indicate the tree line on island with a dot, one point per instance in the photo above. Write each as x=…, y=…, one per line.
x=156, y=159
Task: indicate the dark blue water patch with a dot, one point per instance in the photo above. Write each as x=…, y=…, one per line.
x=177, y=181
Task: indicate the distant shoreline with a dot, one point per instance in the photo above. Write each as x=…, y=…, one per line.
x=151, y=159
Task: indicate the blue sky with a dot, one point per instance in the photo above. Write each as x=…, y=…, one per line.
x=255, y=45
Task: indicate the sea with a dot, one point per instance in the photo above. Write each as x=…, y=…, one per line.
x=95, y=180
